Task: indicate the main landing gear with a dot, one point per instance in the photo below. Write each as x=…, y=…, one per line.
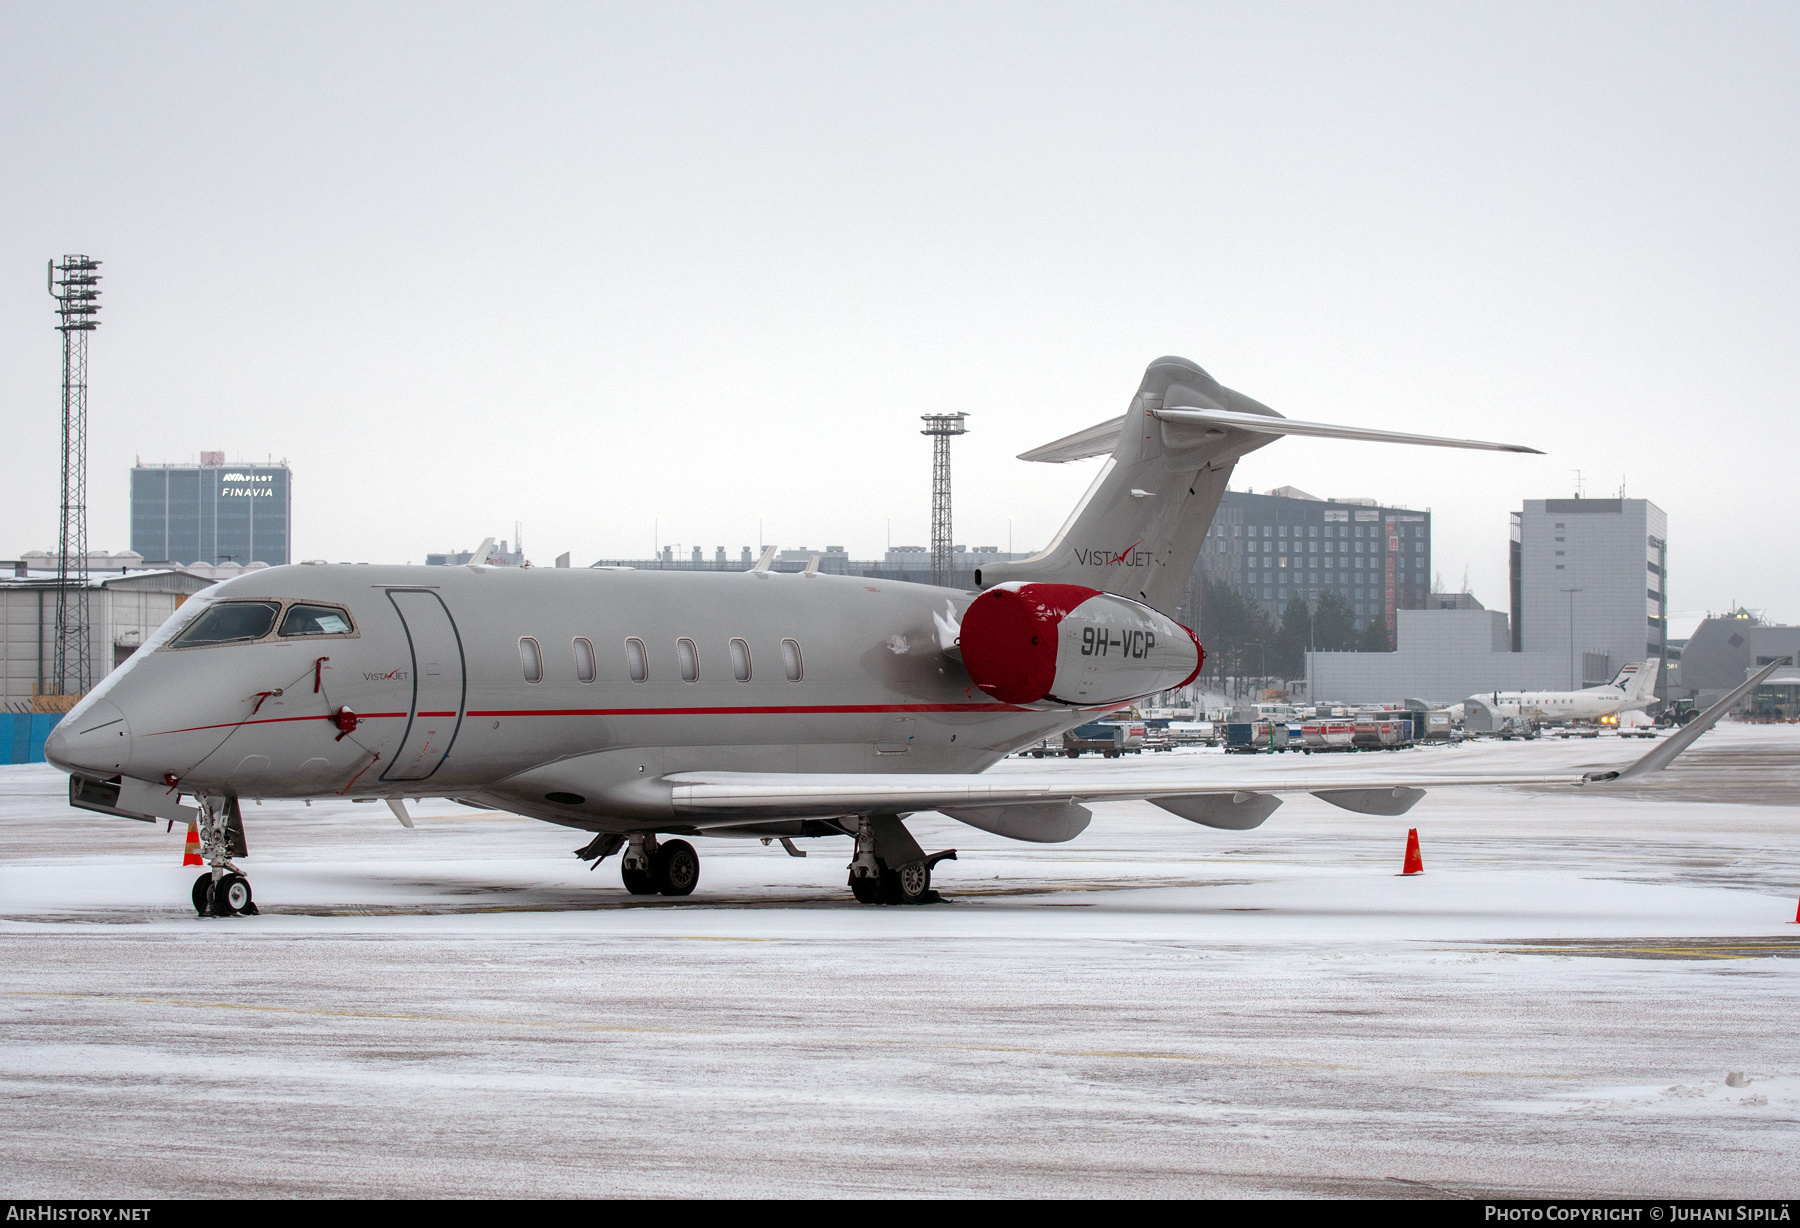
x=223, y=891
x=650, y=868
x=889, y=867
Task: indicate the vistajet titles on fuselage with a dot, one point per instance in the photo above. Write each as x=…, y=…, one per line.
x=643, y=705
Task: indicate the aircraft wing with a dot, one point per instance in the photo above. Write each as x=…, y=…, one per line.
x=1049, y=806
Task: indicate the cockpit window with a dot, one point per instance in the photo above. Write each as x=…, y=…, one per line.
x=315, y=620
x=229, y=622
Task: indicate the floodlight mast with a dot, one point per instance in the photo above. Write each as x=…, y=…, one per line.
x=75, y=285
x=941, y=427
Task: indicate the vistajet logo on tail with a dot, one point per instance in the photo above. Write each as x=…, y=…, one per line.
x=1130, y=556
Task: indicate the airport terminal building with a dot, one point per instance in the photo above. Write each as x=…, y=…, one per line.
x=212, y=512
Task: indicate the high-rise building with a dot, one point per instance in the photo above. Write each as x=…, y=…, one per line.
x=1275, y=547
x=212, y=512
x=1590, y=581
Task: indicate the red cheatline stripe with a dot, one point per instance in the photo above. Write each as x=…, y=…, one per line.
x=796, y=710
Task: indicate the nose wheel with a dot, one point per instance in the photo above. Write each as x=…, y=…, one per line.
x=222, y=891
x=230, y=896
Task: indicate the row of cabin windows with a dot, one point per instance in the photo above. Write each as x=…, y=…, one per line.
x=637, y=659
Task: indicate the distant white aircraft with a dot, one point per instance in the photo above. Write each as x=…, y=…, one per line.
x=1632, y=688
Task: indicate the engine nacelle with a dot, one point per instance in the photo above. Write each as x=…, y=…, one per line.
x=1071, y=645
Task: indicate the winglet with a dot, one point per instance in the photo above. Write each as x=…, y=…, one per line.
x=762, y=564
x=1664, y=752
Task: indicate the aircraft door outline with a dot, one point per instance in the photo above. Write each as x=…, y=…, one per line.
x=430, y=632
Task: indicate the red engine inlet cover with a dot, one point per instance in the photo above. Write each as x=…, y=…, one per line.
x=1074, y=645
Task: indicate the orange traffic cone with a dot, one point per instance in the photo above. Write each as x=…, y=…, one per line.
x=192, y=856
x=1415, y=864
x=1797, y=916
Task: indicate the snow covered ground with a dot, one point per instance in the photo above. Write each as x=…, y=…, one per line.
x=1154, y=1009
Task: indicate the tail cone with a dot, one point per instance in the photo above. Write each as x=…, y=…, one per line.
x=1414, y=863
x=192, y=856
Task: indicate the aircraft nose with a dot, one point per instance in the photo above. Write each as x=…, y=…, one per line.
x=94, y=738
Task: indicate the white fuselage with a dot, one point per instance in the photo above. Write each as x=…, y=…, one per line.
x=523, y=688
x=1557, y=706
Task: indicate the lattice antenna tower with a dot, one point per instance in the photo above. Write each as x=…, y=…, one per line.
x=75, y=285
x=941, y=427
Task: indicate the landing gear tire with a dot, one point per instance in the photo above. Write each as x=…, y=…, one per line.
x=638, y=882
x=910, y=884
x=676, y=868
x=203, y=895
x=231, y=897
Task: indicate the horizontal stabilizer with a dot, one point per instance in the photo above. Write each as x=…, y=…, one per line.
x=1095, y=441
x=1221, y=419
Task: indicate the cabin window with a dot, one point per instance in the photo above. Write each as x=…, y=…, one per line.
x=229, y=622
x=740, y=660
x=790, y=660
x=532, y=658
x=688, y=657
x=636, y=659
x=585, y=667
x=315, y=620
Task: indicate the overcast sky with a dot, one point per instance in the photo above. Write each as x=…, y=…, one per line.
x=622, y=272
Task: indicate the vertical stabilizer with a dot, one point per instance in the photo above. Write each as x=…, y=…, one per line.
x=1139, y=529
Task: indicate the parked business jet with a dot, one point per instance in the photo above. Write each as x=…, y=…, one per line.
x=643, y=705
x=1632, y=688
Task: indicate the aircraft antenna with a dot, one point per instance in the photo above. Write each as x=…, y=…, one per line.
x=75, y=285
x=941, y=427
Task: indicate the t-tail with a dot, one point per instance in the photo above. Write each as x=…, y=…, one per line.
x=1638, y=680
x=1139, y=529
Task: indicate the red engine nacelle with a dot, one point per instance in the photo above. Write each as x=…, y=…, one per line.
x=1066, y=644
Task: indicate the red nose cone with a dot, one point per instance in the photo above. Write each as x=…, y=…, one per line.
x=1009, y=638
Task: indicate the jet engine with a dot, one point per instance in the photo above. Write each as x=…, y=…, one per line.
x=1067, y=644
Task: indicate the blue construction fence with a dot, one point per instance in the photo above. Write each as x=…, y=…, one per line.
x=22, y=735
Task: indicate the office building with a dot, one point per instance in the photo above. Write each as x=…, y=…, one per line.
x=212, y=512
x=1285, y=544
x=1590, y=581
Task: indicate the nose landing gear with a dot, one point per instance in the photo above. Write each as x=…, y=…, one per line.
x=223, y=891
